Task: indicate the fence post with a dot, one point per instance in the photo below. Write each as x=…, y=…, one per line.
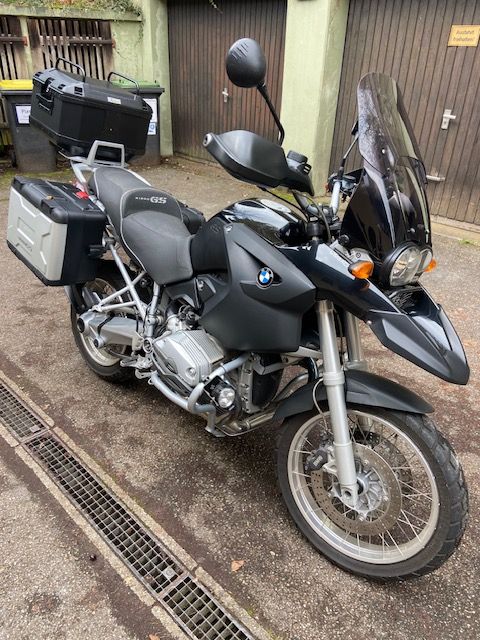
x=28, y=49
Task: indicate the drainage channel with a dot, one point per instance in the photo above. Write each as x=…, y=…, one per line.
x=187, y=601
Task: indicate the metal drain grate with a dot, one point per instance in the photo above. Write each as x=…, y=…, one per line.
x=16, y=416
x=189, y=603
x=125, y=535
x=200, y=615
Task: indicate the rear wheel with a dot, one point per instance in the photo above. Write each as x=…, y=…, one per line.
x=412, y=506
x=105, y=361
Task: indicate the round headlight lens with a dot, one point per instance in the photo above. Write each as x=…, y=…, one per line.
x=406, y=266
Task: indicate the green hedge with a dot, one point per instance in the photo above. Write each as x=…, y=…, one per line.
x=122, y=6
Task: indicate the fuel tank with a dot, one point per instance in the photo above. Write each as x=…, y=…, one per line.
x=253, y=297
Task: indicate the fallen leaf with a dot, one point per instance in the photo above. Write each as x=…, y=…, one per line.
x=237, y=564
x=153, y=636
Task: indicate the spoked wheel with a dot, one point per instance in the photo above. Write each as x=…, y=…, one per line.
x=104, y=361
x=412, y=505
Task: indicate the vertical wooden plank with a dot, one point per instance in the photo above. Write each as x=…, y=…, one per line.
x=10, y=61
x=18, y=48
x=3, y=70
x=64, y=39
x=461, y=194
x=442, y=139
x=58, y=39
x=421, y=82
x=34, y=41
x=77, y=50
x=473, y=207
x=351, y=77
x=107, y=50
x=96, y=50
x=4, y=63
x=71, y=52
x=417, y=34
x=89, y=50
x=461, y=197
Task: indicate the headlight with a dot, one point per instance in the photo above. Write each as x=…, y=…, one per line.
x=405, y=265
x=427, y=263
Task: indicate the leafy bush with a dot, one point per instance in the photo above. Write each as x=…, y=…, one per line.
x=120, y=6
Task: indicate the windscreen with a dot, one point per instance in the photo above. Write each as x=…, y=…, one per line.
x=389, y=205
x=385, y=135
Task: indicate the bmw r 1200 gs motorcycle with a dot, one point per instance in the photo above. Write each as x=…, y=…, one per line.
x=213, y=313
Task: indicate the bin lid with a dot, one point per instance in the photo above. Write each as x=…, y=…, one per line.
x=15, y=85
x=146, y=86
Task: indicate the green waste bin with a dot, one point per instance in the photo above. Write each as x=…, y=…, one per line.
x=33, y=151
x=150, y=92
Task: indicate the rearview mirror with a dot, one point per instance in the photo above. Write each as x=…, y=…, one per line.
x=246, y=64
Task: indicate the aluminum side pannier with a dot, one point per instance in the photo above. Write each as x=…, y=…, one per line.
x=55, y=231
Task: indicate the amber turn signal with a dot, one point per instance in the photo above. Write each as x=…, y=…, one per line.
x=431, y=266
x=361, y=269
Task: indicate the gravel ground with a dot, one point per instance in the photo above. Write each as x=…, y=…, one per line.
x=219, y=498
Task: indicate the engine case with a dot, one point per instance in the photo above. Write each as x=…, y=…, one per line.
x=189, y=354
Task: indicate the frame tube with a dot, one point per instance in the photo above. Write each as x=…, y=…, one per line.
x=128, y=280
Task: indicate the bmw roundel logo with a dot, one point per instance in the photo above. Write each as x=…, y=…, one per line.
x=265, y=277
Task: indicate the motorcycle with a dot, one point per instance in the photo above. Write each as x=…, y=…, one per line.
x=252, y=318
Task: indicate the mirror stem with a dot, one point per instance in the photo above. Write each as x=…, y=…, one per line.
x=263, y=90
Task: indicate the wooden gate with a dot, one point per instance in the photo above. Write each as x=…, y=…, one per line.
x=408, y=40
x=203, y=99
x=87, y=43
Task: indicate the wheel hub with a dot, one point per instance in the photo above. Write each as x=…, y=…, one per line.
x=379, y=498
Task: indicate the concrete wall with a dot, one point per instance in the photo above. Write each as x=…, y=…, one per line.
x=315, y=38
x=127, y=56
x=142, y=51
x=155, y=62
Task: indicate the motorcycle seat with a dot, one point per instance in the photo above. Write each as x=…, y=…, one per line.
x=155, y=228
x=111, y=184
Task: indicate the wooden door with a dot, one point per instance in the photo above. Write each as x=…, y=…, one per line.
x=200, y=34
x=408, y=40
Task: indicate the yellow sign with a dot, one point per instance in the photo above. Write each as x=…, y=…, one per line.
x=464, y=35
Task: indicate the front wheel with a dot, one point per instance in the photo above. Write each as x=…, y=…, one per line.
x=412, y=507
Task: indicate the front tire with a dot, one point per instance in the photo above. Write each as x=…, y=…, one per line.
x=413, y=490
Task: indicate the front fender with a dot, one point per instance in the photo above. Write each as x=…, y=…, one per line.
x=361, y=387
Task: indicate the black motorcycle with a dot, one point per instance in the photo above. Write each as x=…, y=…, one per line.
x=219, y=316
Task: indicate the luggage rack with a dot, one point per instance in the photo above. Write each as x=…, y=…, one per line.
x=81, y=164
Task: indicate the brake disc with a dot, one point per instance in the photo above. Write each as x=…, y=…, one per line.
x=380, y=498
x=395, y=458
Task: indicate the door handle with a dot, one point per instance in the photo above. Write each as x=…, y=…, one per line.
x=225, y=95
x=436, y=178
x=447, y=116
